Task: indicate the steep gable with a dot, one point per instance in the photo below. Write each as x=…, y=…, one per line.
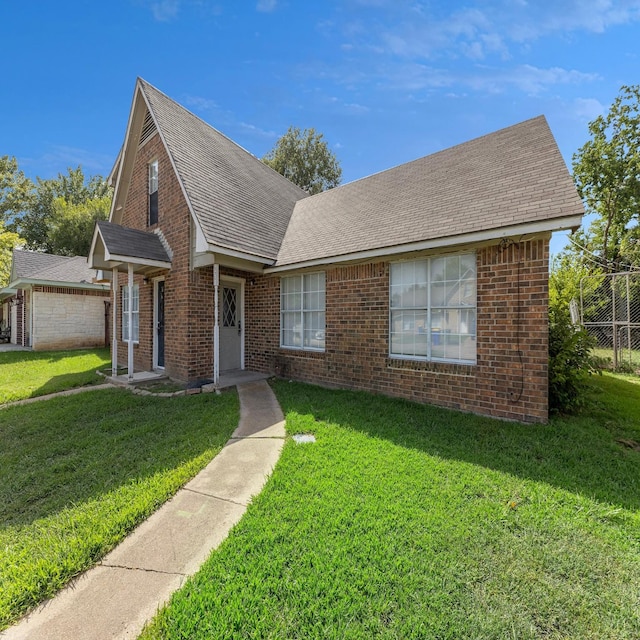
x=237, y=202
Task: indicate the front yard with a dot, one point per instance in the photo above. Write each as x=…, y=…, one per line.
x=406, y=521
x=78, y=473
x=401, y=521
x=25, y=374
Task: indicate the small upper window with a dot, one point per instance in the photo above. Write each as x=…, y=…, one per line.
x=153, y=192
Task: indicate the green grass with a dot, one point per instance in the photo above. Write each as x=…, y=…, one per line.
x=408, y=521
x=78, y=473
x=25, y=374
x=626, y=358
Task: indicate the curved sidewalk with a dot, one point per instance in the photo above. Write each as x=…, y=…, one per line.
x=113, y=600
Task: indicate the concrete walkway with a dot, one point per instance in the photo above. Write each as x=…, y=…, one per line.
x=115, y=599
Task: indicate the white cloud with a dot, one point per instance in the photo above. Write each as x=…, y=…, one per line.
x=165, y=10
x=422, y=31
x=266, y=6
x=59, y=158
x=588, y=109
x=527, y=78
x=253, y=129
x=199, y=103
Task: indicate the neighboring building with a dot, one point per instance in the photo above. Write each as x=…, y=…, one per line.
x=54, y=302
x=428, y=281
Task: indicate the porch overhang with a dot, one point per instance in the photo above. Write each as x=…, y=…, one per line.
x=121, y=248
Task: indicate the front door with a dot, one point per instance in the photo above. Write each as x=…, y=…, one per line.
x=159, y=329
x=230, y=326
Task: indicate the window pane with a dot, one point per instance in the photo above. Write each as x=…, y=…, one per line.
x=314, y=330
x=409, y=333
x=452, y=268
x=437, y=269
x=451, y=282
x=291, y=329
x=409, y=285
x=153, y=177
x=302, y=305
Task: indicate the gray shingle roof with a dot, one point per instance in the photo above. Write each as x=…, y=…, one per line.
x=510, y=177
x=123, y=241
x=45, y=266
x=240, y=203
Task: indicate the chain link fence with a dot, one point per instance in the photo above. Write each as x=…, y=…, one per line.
x=610, y=311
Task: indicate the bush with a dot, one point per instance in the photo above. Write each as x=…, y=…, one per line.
x=570, y=361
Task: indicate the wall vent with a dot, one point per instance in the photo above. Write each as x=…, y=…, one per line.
x=148, y=129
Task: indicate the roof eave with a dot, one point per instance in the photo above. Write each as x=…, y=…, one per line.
x=543, y=226
x=67, y=284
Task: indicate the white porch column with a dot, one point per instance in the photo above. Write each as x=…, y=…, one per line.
x=114, y=332
x=130, y=312
x=216, y=325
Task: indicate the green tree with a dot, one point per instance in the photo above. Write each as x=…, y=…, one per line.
x=71, y=225
x=8, y=241
x=36, y=221
x=606, y=171
x=304, y=158
x=16, y=190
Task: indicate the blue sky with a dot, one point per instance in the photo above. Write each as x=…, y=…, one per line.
x=385, y=81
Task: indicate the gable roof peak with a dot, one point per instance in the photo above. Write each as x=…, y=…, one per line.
x=238, y=203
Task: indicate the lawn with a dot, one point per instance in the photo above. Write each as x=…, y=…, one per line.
x=24, y=374
x=408, y=521
x=78, y=473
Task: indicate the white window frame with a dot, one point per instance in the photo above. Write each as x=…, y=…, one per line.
x=135, y=313
x=304, y=312
x=427, y=311
x=153, y=182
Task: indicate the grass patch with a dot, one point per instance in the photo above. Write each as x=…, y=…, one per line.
x=25, y=374
x=78, y=473
x=408, y=521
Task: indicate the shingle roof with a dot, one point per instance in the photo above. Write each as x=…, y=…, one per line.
x=123, y=241
x=240, y=202
x=45, y=266
x=510, y=177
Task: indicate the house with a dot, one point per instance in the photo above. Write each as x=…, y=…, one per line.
x=54, y=302
x=427, y=281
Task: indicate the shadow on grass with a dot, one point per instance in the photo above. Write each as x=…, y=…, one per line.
x=69, y=450
x=579, y=454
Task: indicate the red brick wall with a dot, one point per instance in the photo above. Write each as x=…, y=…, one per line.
x=508, y=381
x=188, y=294
x=512, y=318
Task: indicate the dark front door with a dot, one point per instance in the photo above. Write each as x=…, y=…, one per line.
x=160, y=324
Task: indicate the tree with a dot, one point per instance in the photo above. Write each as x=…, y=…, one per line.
x=8, y=241
x=304, y=158
x=16, y=190
x=38, y=218
x=606, y=171
x=71, y=225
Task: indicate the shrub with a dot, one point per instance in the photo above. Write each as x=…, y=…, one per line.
x=570, y=361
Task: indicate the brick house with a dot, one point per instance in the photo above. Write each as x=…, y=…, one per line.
x=428, y=281
x=54, y=302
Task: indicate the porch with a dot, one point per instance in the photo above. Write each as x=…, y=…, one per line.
x=226, y=380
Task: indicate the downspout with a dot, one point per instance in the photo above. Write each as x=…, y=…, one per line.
x=216, y=325
x=114, y=343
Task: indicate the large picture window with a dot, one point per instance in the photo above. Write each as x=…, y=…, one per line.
x=433, y=309
x=134, y=314
x=302, y=311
